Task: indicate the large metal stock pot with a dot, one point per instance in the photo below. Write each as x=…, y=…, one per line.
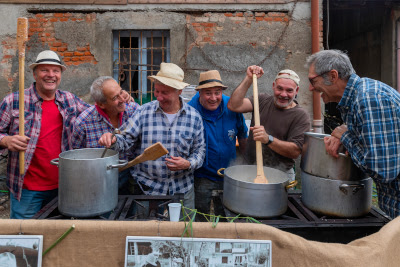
x=316, y=161
x=88, y=184
x=332, y=186
x=243, y=196
x=347, y=199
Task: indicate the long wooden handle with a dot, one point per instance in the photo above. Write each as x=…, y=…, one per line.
x=22, y=37
x=259, y=157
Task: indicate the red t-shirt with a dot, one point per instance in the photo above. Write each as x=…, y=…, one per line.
x=41, y=175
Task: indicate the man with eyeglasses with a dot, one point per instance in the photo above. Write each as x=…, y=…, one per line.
x=109, y=113
x=282, y=121
x=370, y=111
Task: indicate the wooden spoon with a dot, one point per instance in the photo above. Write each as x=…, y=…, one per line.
x=260, y=178
x=153, y=152
x=22, y=38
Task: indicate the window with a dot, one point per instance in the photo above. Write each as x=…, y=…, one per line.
x=136, y=55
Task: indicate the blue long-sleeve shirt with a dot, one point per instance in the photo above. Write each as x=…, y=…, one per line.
x=371, y=111
x=220, y=134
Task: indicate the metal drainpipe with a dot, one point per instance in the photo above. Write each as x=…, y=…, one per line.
x=398, y=54
x=317, y=124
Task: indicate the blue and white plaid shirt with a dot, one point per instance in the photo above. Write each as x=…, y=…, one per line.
x=183, y=138
x=371, y=111
x=90, y=126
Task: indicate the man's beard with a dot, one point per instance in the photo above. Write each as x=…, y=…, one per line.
x=279, y=105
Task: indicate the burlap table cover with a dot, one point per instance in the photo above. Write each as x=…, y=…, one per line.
x=102, y=243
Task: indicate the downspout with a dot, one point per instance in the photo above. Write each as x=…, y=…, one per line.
x=317, y=124
x=398, y=54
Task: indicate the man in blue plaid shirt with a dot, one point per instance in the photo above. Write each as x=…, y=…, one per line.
x=370, y=111
x=109, y=113
x=177, y=126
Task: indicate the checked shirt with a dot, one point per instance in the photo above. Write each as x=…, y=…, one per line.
x=69, y=105
x=182, y=138
x=371, y=111
x=90, y=126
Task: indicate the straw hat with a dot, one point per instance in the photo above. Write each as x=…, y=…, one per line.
x=288, y=74
x=210, y=79
x=170, y=75
x=47, y=57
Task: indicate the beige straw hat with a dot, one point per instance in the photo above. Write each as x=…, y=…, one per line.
x=288, y=74
x=210, y=79
x=170, y=75
x=47, y=57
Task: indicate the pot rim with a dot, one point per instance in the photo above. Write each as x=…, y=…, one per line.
x=316, y=135
x=65, y=155
x=255, y=186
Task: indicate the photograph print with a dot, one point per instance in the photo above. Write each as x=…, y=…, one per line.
x=21, y=250
x=196, y=252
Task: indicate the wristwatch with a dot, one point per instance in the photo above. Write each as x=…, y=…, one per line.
x=270, y=139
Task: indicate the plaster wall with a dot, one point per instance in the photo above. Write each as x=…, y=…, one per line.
x=237, y=41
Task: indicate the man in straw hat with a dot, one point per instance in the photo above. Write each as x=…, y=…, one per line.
x=49, y=115
x=221, y=127
x=282, y=121
x=177, y=126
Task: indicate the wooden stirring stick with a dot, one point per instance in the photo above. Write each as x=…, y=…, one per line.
x=260, y=178
x=22, y=37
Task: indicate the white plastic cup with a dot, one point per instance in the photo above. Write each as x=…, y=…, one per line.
x=174, y=211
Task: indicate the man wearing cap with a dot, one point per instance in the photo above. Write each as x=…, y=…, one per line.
x=177, y=126
x=109, y=113
x=221, y=127
x=49, y=115
x=282, y=121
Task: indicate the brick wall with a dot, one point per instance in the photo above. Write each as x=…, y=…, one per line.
x=43, y=26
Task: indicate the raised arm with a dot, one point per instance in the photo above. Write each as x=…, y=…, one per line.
x=238, y=102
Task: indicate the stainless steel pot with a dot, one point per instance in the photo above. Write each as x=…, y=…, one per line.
x=316, y=161
x=243, y=196
x=337, y=198
x=88, y=184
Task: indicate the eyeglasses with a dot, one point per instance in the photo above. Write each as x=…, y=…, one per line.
x=312, y=79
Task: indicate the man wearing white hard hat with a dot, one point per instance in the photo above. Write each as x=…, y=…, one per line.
x=282, y=121
x=221, y=128
x=177, y=126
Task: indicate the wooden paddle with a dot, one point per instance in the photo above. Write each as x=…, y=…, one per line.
x=153, y=152
x=22, y=37
x=260, y=178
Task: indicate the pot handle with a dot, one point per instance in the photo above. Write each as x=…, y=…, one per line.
x=219, y=172
x=291, y=184
x=122, y=163
x=54, y=161
x=356, y=187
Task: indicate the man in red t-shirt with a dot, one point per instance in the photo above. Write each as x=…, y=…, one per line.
x=49, y=114
x=49, y=117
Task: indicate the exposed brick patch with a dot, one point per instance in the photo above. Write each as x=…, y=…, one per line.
x=9, y=48
x=43, y=26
